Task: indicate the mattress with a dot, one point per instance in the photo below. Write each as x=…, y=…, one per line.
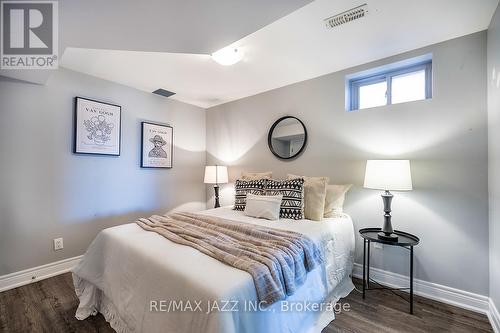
x=142, y=282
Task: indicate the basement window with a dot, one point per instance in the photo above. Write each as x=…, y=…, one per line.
x=405, y=81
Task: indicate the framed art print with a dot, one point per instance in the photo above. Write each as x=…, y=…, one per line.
x=157, y=146
x=97, y=127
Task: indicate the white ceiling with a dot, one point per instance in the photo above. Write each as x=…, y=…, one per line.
x=185, y=26
x=294, y=48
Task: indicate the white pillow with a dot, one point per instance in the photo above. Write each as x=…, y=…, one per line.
x=263, y=206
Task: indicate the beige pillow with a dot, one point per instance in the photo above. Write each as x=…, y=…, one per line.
x=335, y=196
x=314, y=196
x=256, y=175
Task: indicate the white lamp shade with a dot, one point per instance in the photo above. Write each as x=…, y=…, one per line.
x=215, y=174
x=388, y=175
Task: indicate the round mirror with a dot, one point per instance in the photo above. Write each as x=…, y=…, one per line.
x=287, y=137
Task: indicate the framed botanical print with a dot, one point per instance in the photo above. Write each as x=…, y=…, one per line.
x=97, y=127
x=157, y=145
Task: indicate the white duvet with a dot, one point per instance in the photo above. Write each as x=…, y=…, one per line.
x=142, y=282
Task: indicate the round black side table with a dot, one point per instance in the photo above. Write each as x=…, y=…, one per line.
x=405, y=240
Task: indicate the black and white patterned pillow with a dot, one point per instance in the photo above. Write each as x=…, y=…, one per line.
x=292, y=205
x=242, y=187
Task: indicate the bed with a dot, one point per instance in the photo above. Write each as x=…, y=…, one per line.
x=142, y=282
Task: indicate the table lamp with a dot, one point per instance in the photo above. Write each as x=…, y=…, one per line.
x=216, y=174
x=388, y=175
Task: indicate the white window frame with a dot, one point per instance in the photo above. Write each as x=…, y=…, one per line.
x=356, y=83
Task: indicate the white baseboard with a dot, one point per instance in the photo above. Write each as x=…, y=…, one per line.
x=494, y=317
x=18, y=279
x=456, y=297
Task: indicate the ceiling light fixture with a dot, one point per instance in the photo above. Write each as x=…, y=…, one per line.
x=227, y=56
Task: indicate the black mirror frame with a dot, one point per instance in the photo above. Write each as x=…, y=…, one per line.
x=270, y=134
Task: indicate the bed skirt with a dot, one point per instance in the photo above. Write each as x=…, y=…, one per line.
x=108, y=310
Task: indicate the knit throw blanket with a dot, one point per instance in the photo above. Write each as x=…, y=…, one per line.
x=277, y=260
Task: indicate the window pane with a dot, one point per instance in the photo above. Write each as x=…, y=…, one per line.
x=408, y=87
x=372, y=95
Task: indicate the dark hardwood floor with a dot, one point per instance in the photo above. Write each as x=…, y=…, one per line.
x=49, y=306
x=382, y=311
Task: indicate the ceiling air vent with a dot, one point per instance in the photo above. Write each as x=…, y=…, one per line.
x=347, y=16
x=163, y=92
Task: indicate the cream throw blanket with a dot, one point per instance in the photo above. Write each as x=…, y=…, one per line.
x=278, y=260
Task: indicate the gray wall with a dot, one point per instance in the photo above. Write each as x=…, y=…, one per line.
x=445, y=138
x=494, y=153
x=47, y=191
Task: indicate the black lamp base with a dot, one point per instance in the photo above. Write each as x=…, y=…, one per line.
x=387, y=236
x=387, y=233
x=216, y=189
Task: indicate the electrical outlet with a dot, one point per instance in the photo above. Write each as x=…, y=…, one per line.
x=58, y=244
x=378, y=246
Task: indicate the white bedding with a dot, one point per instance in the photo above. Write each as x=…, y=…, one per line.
x=126, y=268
